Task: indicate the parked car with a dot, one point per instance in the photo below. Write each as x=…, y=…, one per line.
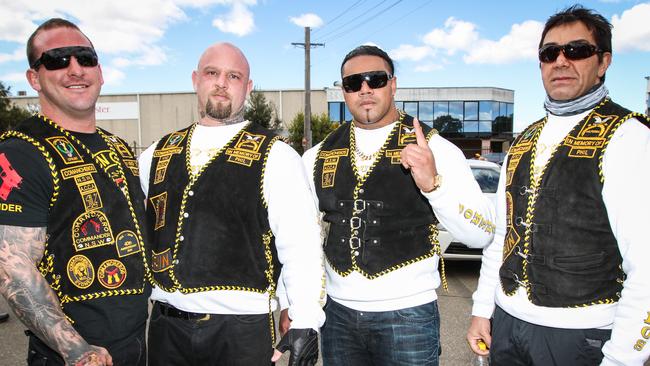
x=487, y=175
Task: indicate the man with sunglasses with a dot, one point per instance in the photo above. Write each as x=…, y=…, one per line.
x=383, y=182
x=72, y=264
x=566, y=279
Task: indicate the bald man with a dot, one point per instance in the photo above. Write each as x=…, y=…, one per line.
x=228, y=207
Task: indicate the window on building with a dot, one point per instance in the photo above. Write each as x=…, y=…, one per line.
x=456, y=110
x=335, y=111
x=471, y=111
x=348, y=115
x=399, y=105
x=440, y=109
x=425, y=113
x=411, y=108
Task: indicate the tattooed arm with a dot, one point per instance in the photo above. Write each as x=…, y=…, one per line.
x=33, y=301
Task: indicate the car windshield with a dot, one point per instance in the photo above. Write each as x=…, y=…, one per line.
x=487, y=179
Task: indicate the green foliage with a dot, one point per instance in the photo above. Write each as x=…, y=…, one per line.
x=260, y=110
x=10, y=115
x=321, y=126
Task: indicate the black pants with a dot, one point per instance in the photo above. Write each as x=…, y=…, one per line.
x=223, y=340
x=518, y=343
x=131, y=352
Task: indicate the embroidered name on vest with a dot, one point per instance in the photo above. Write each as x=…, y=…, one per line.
x=591, y=137
x=91, y=229
x=86, y=185
x=329, y=165
x=246, y=150
x=161, y=261
x=512, y=238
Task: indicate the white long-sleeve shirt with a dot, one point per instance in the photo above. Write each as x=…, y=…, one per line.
x=626, y=163
x=293, y=219
x=416, y=283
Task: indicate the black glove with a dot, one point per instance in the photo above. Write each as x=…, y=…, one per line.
x=303, y=344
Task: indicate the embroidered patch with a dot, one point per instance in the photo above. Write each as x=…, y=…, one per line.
x=127, y=243
x=330, y=164
x=406, y=135
x=10, y=178
x=80, y=271
x=174, y=140
x=121, y=148
x=161, y=261
x=91, y=229
x=512, y=238
x=111, y=274
x=522, y=146
x=89, y=192
x=159, y=204
x=161, y=168
x=132, y=164
x=591, y=137
x=65, y=149
x=394, y=156
x=246, y=149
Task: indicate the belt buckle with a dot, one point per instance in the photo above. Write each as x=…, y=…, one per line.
x=206, y=317
x=355, y=222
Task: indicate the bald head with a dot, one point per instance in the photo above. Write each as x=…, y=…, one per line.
x=224, y=50
x=222, y=84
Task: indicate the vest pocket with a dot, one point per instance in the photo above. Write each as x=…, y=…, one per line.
x=580, y=263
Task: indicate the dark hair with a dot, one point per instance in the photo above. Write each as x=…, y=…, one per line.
x=367, y=50
x=599, y=27
x=52, y=23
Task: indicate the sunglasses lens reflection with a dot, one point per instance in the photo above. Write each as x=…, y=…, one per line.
x=375, y=80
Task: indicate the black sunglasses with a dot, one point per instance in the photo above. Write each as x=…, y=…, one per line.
x=59, y=58
x=576, y=50
x=375, y=80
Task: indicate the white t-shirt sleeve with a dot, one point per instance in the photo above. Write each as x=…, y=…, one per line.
x=144, y=166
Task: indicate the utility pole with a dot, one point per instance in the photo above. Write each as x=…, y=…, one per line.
x=307, y=46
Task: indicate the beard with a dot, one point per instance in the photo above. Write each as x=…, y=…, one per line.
x=218, y=111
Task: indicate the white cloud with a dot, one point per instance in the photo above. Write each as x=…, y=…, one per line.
x=239, y=21
x=307, y=20
x=112, y=76
x=17, y=55
x=456, y=35
x=520, y=43
x=428, y=67
x=411, y=53
x=632, y=29
x=14, y=77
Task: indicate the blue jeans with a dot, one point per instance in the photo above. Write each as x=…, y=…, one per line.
x=408, y=336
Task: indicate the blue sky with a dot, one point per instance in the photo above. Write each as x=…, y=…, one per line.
x=153, y=45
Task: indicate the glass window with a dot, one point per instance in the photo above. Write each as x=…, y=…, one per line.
x=503, y=109
x=485, y=127
x=411, y=108
x=471, y=111
x=348, y=115
x=488, y=179
x=399, y=105
x=488, y=110
x=470, y=128
x=510, y=109
x=447, y=124
x=440, y=109
x=335, y=111
x=426, y=111
x=456, y=110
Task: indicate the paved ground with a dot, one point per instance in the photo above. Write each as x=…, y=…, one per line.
x=454, y=308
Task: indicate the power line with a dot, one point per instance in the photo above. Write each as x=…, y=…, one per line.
x=370, y=18
x=338, y=16
x=355, y=19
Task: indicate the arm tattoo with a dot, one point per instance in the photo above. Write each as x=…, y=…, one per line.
x=30, y=296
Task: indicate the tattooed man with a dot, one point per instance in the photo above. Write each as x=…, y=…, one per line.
x=71, y=258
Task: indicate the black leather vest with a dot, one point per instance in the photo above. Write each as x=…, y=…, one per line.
x=94, y=245
x=210, y=230
x=377, y=223
x=559, y=243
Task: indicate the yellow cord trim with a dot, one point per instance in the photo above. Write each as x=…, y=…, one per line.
x=266, y=158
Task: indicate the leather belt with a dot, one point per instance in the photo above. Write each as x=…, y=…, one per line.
x=168, y=310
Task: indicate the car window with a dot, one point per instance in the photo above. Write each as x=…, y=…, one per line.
x=487, y=179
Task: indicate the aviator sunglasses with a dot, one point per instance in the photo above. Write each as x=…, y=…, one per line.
x=576, y=50
x=59, y=58
x=375, y=80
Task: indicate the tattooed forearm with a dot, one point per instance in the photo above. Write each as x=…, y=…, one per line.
x=30, y=296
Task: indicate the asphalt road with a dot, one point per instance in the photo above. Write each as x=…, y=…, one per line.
x=454, y=305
